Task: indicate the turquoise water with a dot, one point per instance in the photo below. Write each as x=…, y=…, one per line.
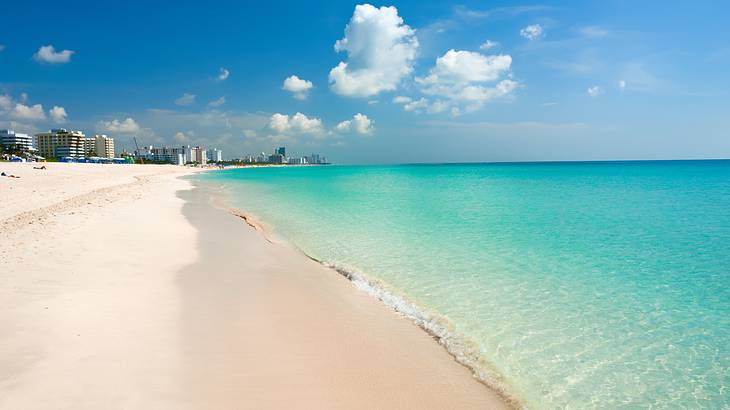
x=568, y=285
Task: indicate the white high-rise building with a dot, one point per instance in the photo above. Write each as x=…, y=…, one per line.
x=215, y=155
x=14, y=141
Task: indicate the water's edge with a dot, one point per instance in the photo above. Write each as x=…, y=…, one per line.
x=460, y=347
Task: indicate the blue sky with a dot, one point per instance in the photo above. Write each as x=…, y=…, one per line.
x=403, y=81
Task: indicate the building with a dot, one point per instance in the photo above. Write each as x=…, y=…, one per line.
x=215, y=155
x=197, y=155
x=281, y=150
x=277, y=159
x=173, y=155
x=99, y=146
x=297, y=161
x=60, y=143
x=16, y=142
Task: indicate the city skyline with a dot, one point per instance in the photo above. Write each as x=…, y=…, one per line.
x=388, y=82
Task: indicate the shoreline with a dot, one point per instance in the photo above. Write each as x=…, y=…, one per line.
x=145, y=294
x=325, y=272
x=459, y=347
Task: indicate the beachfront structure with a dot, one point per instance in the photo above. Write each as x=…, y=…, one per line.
x=173, y=155
x=277, y=159
x=99, y=146
x=60, y=143
x=104, y=146
x=197, y=155
x=215, y=155
x=12, y=141
x=316, y=159
x=297, y=161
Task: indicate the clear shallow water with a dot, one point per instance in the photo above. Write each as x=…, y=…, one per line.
x=580, y=285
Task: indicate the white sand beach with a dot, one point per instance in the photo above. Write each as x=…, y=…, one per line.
x=122, y=286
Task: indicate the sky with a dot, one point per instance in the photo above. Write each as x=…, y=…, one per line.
x=394, y=82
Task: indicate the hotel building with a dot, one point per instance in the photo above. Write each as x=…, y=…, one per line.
x=17, y=142
x=104, y=146
x=99, y=146
x=61, y=143
x=215, y=155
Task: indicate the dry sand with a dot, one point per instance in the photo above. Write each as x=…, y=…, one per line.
x=123, y=287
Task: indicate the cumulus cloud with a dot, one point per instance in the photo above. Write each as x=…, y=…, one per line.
x=400, y=99
x=359, y=124
x=488, y=45
x=622, y=84
x=6, y=102
x=58, y=114
x=186, y=99
x=462, y=77
x=362, y=125
x=250, y=133
x=297, y=86
x=595, y=91
x=466, y=66
x=532, y=32
x=126, y=126
x=223, y=74
x=416, y=105
x=217, y=102
x=48, y=54
x=380, y=50
x=180, y=137
x=28, y=112
x=297, y=124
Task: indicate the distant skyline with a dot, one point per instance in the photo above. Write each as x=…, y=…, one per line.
x=392, y=82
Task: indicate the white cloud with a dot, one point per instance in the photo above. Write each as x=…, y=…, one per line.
x=373, y=102
x=380, y=49
x=217, y=102
x=297, y=86
x=29, y=113
x=532, y=32
x=297, y=124
x=249, y=133
x=58, y=114
x=6, y=102
x=362, y=124
x=48, y=54
x=459, y=77
x=180, y=137
x=223, y=74
x=344, y=126
x=359, y=124
x=416, y=105
x=400, y=99
x=622, y=84
x=595, y=91
x=466, y=66
x=488, y=44
x=438, y=106
x=186, y=99
x=126, y=126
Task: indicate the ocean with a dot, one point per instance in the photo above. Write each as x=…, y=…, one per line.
x=580, y=285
